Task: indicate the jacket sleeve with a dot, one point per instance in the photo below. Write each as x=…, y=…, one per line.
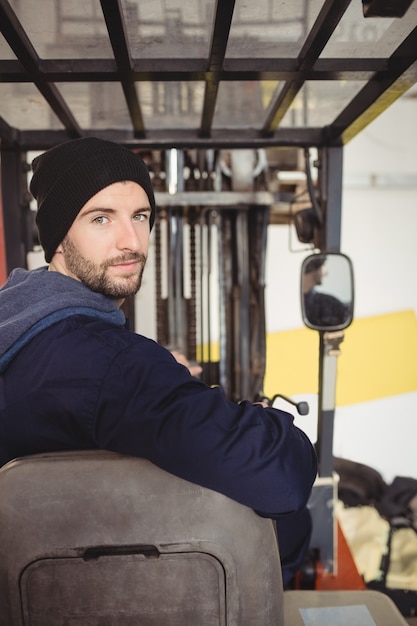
x=150, y=406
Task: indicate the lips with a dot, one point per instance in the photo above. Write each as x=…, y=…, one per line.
x=129, y=266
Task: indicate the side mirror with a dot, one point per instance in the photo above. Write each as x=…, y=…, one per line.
x=327, y=291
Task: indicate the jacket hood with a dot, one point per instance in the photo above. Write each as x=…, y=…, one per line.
x=30, y=301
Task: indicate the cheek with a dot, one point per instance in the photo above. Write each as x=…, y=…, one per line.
x=94, y=246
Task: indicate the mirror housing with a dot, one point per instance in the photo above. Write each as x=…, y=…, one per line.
x=327, y=291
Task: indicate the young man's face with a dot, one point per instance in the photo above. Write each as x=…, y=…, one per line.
x=107, y=245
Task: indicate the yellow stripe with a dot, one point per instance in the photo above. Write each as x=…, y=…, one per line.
x=378, y=359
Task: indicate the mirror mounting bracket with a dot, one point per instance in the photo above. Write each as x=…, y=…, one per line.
x=332, y=341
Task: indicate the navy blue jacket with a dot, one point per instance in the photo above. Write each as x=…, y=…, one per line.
x=85, y=382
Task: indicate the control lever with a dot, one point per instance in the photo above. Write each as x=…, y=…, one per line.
x=302, y=407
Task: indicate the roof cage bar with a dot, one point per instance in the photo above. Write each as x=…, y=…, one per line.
x=116, y=28
x=385, y=87
x=327, y=20
x=219, y=39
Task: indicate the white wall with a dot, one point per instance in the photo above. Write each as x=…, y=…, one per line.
x=380, y=195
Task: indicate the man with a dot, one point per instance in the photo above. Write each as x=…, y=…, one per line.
x=74, y=377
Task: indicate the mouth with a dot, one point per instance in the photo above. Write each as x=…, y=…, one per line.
x=126, y=267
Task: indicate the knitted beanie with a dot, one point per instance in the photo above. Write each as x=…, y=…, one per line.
x=68, y=175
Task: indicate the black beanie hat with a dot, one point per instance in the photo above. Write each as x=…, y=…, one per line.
x=68, y=175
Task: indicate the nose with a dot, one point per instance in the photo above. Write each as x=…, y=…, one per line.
x=128, y=237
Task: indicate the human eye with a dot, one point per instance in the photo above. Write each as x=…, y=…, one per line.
x=142, y=216
x=100, y=219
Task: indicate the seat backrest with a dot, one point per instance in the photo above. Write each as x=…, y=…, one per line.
x=99, y=539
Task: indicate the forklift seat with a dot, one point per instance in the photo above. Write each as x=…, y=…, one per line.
x=94, y=538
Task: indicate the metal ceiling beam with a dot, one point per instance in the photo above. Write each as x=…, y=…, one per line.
x=164, y=138
x=191, y=70
x=378, y=94
x=220, y=36
x=385, y=8
x=289, y=69
x=323, y=28
x=20, y=44
x=113, y=16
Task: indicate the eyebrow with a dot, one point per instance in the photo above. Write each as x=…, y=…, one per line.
x=110, y=211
